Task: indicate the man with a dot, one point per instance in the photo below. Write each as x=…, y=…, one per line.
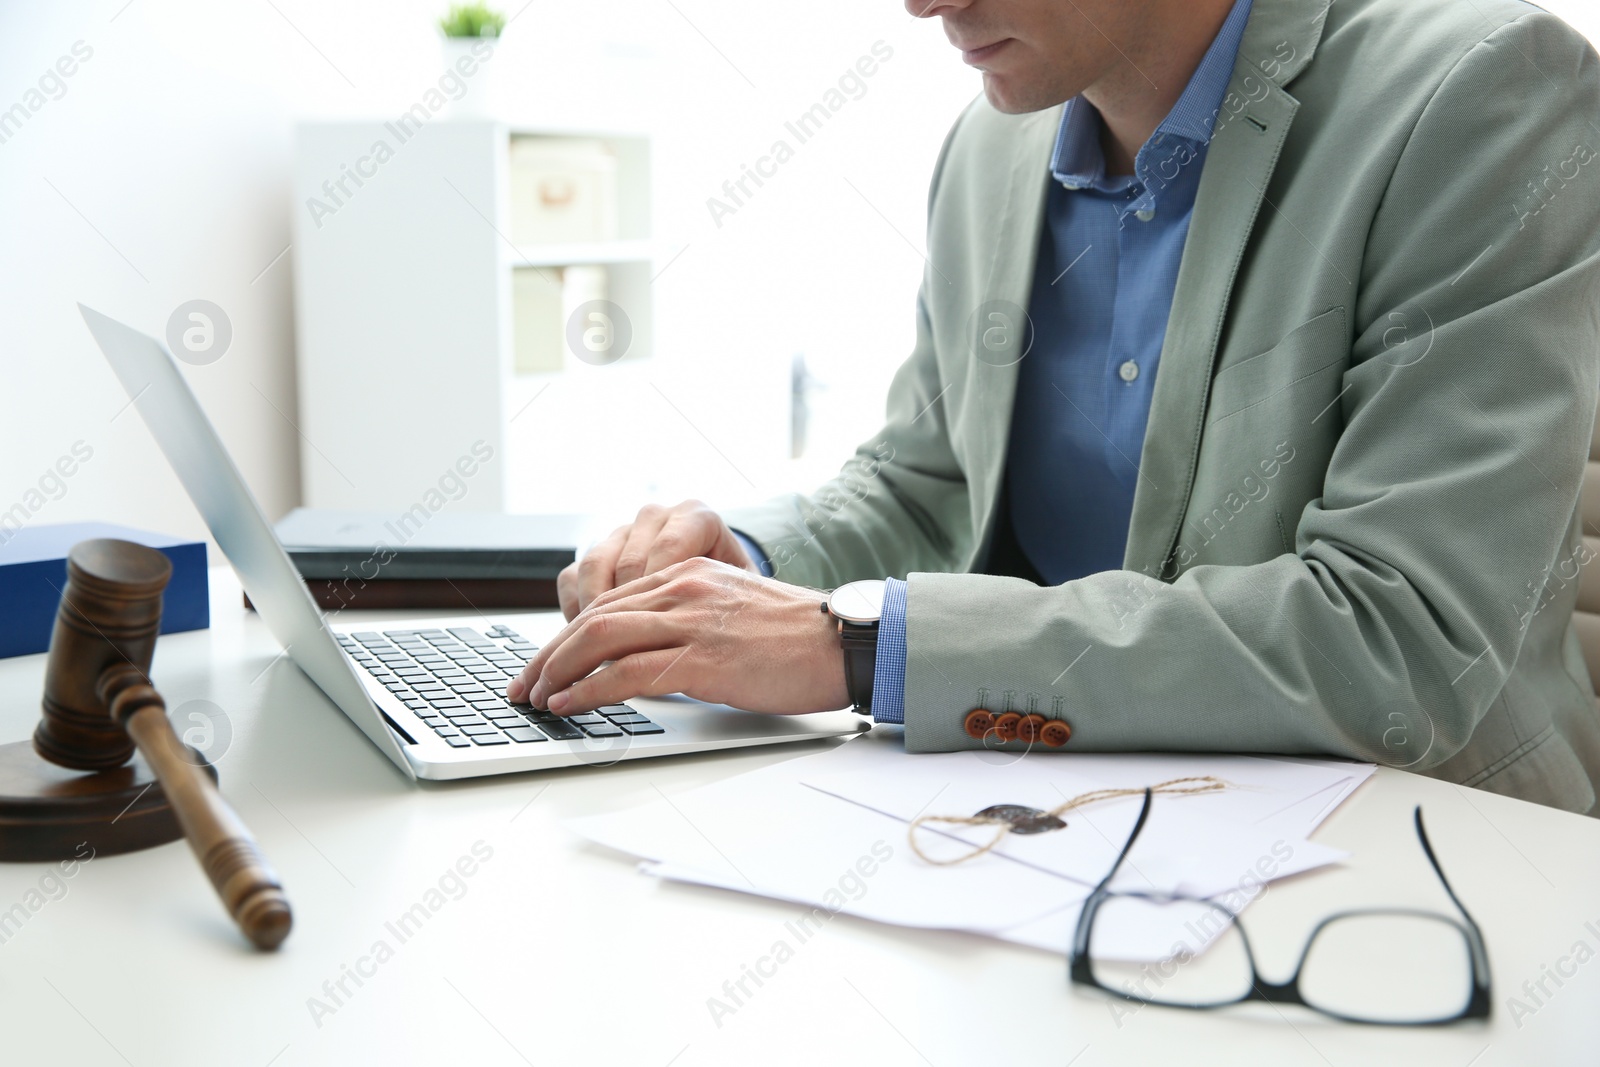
x=1280, y=456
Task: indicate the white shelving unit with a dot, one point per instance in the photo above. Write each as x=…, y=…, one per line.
x=621, y=250
x=404, y=263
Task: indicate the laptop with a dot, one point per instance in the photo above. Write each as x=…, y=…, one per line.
x=430, y=693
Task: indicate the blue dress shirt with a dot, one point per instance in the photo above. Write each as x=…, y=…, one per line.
x=1102, y=290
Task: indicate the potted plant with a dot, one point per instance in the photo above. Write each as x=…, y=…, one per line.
x=470, y=34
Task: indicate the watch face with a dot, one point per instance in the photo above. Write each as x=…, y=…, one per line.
x=858, y=602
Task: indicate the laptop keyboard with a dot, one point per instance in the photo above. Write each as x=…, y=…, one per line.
x=455, y=682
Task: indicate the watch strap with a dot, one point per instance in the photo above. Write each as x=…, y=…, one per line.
x=860, y=646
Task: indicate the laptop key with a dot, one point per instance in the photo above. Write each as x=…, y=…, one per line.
x=611, y=711
x=637, y=728
x=479, y=728
x=458, y=742
x=558, y=730
x=604, y=729
x=586, y=719
x=496, y=738
x=628, y=720
x=523, y=734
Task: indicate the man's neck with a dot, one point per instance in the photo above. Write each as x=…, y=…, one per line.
x=1139, y=92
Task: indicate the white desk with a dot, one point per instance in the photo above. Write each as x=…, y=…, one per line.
x=559, y=952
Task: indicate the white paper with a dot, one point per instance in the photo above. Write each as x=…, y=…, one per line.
x=1197, y=845
x=776, y=832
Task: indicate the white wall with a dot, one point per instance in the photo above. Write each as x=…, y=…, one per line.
x=161, y=174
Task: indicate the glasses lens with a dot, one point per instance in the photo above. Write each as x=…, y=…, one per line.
x=1389, y=967
x=1202, y=958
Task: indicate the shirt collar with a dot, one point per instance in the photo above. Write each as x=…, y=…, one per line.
x=1078, y=161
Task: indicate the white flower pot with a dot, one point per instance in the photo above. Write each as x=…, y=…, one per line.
x=471, y=62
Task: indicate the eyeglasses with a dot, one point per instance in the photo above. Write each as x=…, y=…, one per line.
x=1384, y=966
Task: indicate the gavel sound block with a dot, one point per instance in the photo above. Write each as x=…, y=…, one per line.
x=105, y=766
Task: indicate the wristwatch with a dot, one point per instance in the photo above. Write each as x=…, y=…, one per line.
x=857, y=608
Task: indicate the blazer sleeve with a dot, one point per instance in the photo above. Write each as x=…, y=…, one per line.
x=1452, y=485
x=900, y=504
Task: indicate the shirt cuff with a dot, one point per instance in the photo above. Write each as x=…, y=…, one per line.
x=756, y=554
x=889, y=673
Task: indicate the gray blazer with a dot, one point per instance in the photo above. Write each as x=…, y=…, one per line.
x=1367, y=434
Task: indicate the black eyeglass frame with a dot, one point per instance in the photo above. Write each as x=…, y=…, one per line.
x=1081, y=970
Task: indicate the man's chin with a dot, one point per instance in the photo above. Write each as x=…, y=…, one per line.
x=1009, y=97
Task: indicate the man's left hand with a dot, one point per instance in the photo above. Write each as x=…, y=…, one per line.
x=705, y=629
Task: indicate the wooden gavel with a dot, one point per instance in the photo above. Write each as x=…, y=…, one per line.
x=99, y=705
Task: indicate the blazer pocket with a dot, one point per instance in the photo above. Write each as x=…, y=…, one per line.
x=1308, y=350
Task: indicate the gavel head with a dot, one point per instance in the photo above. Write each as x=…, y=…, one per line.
x=110, y=615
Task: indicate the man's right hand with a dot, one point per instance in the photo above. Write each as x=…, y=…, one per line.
x=658, y=538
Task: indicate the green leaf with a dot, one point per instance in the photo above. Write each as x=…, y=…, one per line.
x=472, y=20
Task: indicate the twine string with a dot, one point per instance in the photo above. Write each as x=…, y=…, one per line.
x=1204, y=783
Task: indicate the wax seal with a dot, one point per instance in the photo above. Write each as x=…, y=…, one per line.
x=1023, y=819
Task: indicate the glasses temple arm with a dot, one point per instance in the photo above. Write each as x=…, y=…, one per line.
x=1433, y=860
x=1144, y=813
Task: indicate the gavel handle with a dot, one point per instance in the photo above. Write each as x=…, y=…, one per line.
x=228, y=854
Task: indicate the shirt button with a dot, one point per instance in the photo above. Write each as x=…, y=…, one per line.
x=1128, y=371
x=1144, y=216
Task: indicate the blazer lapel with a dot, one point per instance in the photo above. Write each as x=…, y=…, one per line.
x=1007, y=285
x=1250, y=130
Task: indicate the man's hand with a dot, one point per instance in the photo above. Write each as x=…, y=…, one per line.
x=658, y=538
x=706, y=629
